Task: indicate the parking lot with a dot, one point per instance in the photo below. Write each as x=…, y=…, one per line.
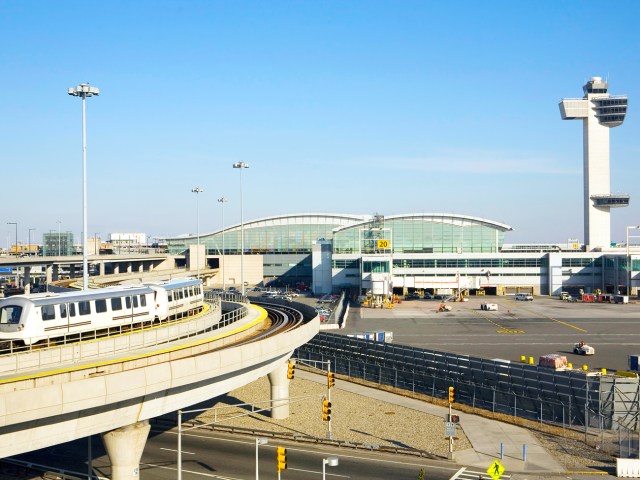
x=530, y=328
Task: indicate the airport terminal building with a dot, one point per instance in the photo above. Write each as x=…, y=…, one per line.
x=379, y=255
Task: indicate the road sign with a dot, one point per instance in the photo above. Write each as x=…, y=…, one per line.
x=449, y=429
x=495, y=470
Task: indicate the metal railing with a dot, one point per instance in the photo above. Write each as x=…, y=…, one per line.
x=127, y=341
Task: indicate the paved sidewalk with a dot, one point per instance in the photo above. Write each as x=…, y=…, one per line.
x=485, y=435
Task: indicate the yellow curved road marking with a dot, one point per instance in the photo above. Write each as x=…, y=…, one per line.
x=502, y=328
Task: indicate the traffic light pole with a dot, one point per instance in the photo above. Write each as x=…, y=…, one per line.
x=329, y=436
x=450, y=438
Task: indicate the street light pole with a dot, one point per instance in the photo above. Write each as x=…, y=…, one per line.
x=629, y=268
x=222, y=201
x=83, y=91
x=331, y=461
x=259, y=441
x=179, y=444
x=16, y=224
x=198, y=191
x=29, y=247
x=241, y=166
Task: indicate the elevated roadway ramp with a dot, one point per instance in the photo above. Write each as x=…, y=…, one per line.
x=119, y=393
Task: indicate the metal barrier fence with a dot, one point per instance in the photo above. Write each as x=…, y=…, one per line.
x=562, y=398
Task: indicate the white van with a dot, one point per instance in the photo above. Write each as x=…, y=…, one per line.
x=525, y=297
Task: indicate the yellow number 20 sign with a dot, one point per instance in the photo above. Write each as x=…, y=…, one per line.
x=384, y=244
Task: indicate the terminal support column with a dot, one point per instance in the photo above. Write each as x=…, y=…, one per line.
x=125, y=446
x=279, y=392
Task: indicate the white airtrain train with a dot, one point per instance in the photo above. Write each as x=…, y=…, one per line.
x=28, y=319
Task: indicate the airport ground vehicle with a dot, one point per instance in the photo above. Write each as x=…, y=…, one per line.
x=28, y=319
x=444, y=308
x=525, y=297
x=581, y=348
x=489, y=306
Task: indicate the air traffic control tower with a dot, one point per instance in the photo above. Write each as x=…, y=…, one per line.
x=599, y=112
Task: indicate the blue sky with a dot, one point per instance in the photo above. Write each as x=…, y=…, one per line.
x=338, y=106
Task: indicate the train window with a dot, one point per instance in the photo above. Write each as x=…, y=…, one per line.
x=191, y=291
x=170, y=296
x=116, y=304
x=84, y=308
x=135, y=301
x=127, y=302
x=143, y=300
x=63, y=310
x=10, y=314
x=101, y=306
x=48, y=312
x=72, y=309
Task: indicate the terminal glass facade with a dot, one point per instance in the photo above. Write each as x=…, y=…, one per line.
x=57, y=244
x=425, y=234
x=277, y=235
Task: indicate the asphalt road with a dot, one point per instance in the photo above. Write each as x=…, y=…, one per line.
x=545, y=325
x=211, y=455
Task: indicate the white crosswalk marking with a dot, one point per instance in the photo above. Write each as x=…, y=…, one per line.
x=465, y=474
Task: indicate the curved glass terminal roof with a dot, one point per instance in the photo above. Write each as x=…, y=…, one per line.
x=421, y=233
x=414, y=233
x=293, y=233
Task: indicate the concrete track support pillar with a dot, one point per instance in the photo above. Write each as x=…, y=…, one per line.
x=279, y=392
x=125, y=446
x=26, y=280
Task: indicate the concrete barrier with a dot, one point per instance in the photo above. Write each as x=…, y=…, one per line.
x=628, y=467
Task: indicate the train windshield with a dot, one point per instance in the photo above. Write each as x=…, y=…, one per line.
x=10, y=314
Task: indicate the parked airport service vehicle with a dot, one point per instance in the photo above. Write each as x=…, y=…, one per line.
x=581, y=348
x=28, y=319
x=525, y=297
x=444, y=308
x=488, y=306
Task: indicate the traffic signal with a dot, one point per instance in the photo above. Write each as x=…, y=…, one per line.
x=330, y=380
x=281, y=458
x=291, y=370
x=326, y=410
x=452, y=392
x=453, y=418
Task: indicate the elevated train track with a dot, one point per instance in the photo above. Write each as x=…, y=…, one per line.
x=53, y=395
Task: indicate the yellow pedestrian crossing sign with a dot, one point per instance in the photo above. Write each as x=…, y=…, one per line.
x=495, y=470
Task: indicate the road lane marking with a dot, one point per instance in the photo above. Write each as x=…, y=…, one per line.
x=202, y=474
x=458, y=473
x=319, y=473
x=295, y=448
x=173, y=450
